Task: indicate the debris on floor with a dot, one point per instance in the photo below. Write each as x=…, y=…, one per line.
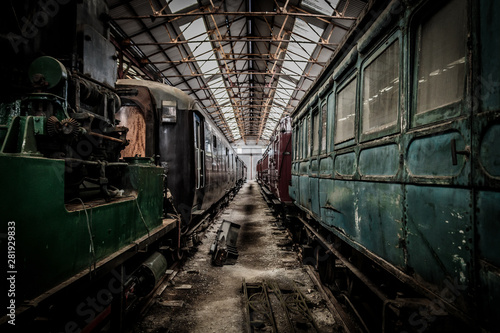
x=223, y=248
x=216, y=302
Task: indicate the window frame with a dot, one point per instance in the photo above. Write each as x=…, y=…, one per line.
x=294, y=143
x=301, y=141
x=341, y=86
x=452, y=109
x=323, y=140
x=395, y=37
x=330, y=114
x=315, y=114
x=308, y=135
x=304, y=138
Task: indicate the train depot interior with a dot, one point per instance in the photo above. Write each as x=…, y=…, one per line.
x=194, y=166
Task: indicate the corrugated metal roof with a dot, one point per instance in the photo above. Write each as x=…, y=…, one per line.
x=248, y=62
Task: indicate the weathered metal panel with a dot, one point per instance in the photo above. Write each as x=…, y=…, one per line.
x=489, y=280
x=99, y=67
x=326, y=166
x=293, y=189
x=345, y=164
x=488, y=229
x=339, y=206
x=430, y=156
x=314, y=193
x=488, y=234
x=379, y=216
x=304, y=168
x=369, y=213
x=52, y=240
x=440, y=233
x=490, y=49
x=489, y=154
x=304, y=192
x=379, y=161
x=314, y=166
x=325, y=187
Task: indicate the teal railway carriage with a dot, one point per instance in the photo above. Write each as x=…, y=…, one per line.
x=396, y=153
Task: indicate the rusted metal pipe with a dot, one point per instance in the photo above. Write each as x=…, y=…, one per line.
x=107, y=137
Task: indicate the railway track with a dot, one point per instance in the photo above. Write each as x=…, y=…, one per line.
x=196, y=232
x=270, y=306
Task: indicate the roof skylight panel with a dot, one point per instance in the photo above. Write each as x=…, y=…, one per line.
x=177, y=6
x=325, y=7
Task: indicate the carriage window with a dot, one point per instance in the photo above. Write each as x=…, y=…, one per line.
x=441, y=57
x=299, y=132
x=295, y=136
x=301, y=143
x=381, y=91
x=302, y=138
x=315, y=133
x=344, y=113
x=330, y=114
x=308, y=140
x=323, y=128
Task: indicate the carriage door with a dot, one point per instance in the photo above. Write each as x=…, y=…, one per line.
x=438, y=196
x=199, y=157
x=486, y=154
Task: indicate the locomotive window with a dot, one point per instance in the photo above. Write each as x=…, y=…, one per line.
x=323, y=128
x=315, y=133
x=441, y=54
x=344, y=112
x=381, y=91
x=168, y=112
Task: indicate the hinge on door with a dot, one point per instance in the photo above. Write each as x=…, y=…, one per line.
x=454, y=152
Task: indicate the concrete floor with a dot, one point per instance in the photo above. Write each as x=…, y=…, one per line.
x=204, y=298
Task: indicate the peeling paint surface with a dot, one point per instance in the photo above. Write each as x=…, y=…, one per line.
x=437, y=221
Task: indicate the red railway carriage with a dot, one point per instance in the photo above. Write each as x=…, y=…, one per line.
x=274, y=168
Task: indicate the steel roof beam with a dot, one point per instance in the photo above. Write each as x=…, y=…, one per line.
x=325, y=18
